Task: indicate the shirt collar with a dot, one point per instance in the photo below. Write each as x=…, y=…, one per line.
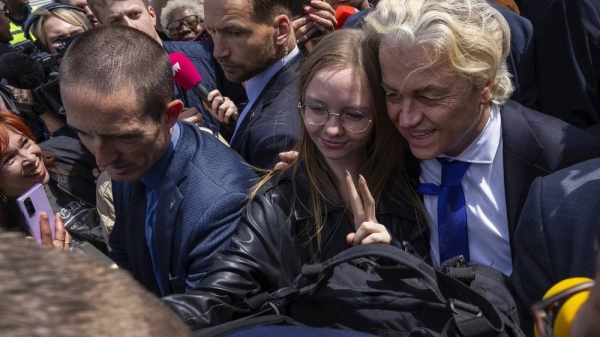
x=258, y=82
x=484, y=148
x=153, y=178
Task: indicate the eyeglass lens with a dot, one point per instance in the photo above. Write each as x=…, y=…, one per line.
x=190, y=21
x=352, y=121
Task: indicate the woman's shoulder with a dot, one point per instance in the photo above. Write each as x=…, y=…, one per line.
x=285, y=186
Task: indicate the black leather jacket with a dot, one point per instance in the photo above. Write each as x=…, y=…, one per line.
x=275, y=237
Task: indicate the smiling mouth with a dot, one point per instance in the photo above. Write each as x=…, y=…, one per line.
x=421, y=134
x=35, y=172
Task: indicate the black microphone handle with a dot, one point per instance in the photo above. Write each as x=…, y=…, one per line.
x=201, y=91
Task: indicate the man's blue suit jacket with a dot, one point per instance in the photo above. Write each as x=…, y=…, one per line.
x=557, y=233
x=200, y=201
x=567, y=58
x=535, y=145
x=272, y=124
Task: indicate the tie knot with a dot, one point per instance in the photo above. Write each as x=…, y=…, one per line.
x=452, y=171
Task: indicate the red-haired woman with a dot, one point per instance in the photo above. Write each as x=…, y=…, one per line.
x=72, y=195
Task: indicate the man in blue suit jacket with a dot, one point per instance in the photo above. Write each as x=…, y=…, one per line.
x=557, y=234
x=178, y=192
x=264, y=54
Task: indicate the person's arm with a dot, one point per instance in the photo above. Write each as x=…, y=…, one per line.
x=252, y=264
x=532, y=268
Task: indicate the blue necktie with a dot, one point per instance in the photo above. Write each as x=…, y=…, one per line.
x=452, y=211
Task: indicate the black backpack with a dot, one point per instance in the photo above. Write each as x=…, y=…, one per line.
x=385, y=291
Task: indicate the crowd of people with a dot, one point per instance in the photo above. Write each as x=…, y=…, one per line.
x=444, y=128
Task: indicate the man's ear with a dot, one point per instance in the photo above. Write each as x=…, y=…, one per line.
x=173, y=110
x=487, y=94
x=152, y=15
x=283, y=29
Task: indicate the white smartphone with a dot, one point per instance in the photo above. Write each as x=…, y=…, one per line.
x=32, y=203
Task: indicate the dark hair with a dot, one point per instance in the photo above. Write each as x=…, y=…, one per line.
x=266, y=10
x=47, y=292
x=109, y=58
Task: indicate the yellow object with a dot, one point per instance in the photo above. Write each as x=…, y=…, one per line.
x=17, y=31
x=566, y=314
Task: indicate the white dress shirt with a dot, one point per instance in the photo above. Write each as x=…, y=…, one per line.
x=258, y=82
x=483, y=186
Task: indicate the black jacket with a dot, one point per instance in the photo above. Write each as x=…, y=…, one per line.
x=275, y=237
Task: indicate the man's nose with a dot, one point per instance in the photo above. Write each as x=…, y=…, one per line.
x=408, y=116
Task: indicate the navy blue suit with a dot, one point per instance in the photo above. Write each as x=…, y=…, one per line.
x=536, y=145
x=557, y=232
x=200, y=201
x=567, y=58
x=272, y=124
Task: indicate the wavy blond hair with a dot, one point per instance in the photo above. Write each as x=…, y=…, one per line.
x=472, y=36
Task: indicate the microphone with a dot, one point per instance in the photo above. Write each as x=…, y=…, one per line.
x=342, y=13
x=21, y=71
x=568, y=310
x=186, y=75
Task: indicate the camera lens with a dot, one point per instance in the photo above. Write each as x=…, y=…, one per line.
x=29, y=207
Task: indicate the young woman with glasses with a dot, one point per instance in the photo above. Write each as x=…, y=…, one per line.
x=347, y=186
x=183, y=20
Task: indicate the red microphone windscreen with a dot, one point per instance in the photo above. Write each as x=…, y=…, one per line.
x=342, y=13
x=184, y=71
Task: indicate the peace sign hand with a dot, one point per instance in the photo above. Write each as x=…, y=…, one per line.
x=368, y=230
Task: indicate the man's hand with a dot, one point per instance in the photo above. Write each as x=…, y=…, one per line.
x=191, y=115
x=222, y=108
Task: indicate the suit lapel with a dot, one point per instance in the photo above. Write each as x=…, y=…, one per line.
x=276, y=84
x=521, y=150
x=140, y=255
x=169, y=201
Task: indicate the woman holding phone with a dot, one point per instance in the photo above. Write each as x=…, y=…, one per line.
x=24, y=164
x=348, y=186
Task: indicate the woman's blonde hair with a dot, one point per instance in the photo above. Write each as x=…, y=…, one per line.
x=472, y=36
x=70, y=16
x=383, y=163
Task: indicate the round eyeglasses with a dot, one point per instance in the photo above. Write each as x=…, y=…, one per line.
x=191, y=21
x=352, y=121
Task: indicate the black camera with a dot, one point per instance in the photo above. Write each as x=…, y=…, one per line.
x=47, y=93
